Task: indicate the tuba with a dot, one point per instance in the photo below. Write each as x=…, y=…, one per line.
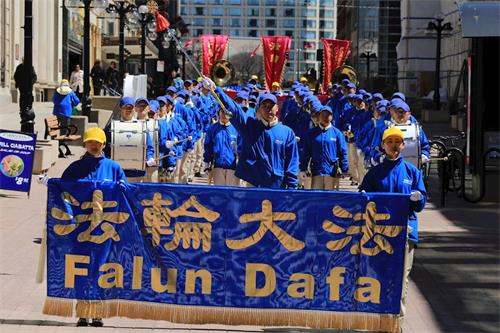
x=345, y=72
x=222, y=72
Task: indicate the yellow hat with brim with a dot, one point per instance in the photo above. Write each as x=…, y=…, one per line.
x=303, y=79
x=254, y=77
x=94, y=133
x=275, y=84
x=393, y=131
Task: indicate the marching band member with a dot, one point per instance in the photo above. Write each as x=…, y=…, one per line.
x=169, y=132
x=351, y=111
x=269, y=156
x=94, y=166
x=141, y=107
x=343, y=104
x=220, y=154
x=395, y=175
x=276, y=89
x=187, y=114
x=326, y=151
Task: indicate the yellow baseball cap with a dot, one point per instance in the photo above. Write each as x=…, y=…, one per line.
x=94, y=133
x=254, y=77
x=303, y=79
x=393, y=131
x=275, y=84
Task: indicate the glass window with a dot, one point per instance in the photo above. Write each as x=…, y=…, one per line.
x=289, y=12
x=326, y=24
x=289, y=23
x=199, y=11
x=235, y=11
x=271, y=23
x=326, y=2
x=199, y=2
x=253, y=22
x=184, y=2
x=235, y=22
x=291, y=55
x=235, y=2
x=217, y=22
x=198, y=21
x=308, y=34
x=328, y=13
x=217, y=31
x=252, y=33
x=328, y=34
x=234, y=32
x=289, y=33
x=310, y=56
x=289, y=2
x=309, y=12
x=253, y=2
x=271, y=12
x=309, y=24
x=199, y=32
x=271, y=2
x=270, y=32
x=184, y=10
x=253, y=12
x=217, y=11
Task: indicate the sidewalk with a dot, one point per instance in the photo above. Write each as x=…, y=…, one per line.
x=454, y=282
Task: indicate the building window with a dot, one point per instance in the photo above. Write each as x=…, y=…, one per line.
x=328, y=13
x=289, y=12
x=217, y=22
x=289, y=2
x=199, y=11
x=270, y=32
x=234, y=32
x=235, y=22
x=309, y=24
x=235, y=2
x=253, y=2
x=184, y=10
x=308, y=3
x=199, y=21
x=111, y=28
x=289, y=33
x=271, y=23
x=271, y=2
x=326, y=24
x=328, y=34
x=252, y=23
x=253, y=12
x=217, y=11
x=199, y=2
x=252, y=33
x=310, y=56
x=271, y=12
x=235, y=11
x=289, y=23
x=199, y=32
x=308, y=34
x=326, y=2
x=217, y=31
x=308, y=12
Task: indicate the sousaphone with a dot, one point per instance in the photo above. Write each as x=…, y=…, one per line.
x=222, y=72
x=345, y=72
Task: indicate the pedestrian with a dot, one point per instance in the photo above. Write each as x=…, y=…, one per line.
x=220, y=154
x=64, y=100
x=19, y=79
x=112, y=77
x=326, y=150
x=395, y=175
x=98, y=77
x=269, y=154
x=76, y=81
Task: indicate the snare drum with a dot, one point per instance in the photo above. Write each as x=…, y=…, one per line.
x=412, y=152
x=128, y=144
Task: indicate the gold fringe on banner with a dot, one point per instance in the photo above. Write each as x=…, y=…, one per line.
x=58, y=306
x=186, y=314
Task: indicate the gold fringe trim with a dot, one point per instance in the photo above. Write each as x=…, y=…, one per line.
x=186, y=314
x=58, y=307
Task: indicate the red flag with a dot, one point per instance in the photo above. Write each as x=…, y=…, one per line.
x=309, y=46
x=275, y=49
x=161, y=22
x=335, y=53
x=213, y=47
x=254, y=52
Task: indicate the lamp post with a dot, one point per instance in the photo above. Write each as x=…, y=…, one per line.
x=26, y=86
x=368, y=55
x=122, y=8
x=146, y=20
x=439, y=27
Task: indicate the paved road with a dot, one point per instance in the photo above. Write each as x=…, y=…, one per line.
x=454, y=283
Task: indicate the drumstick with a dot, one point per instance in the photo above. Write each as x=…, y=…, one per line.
x=189, y=138
x=40, y=271
x=165, y=156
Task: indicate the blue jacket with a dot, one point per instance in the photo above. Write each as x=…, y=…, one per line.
x=221, y=144
x=324, y=147
x=338, y=112
x=63, y=104
x=94, y=168
x=269, y=155
x=167, y=131
x=398, y=176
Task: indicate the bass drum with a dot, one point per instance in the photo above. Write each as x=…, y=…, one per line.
x=412, y=152
x=128, y=144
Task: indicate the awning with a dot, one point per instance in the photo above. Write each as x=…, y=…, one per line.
x=480, y=18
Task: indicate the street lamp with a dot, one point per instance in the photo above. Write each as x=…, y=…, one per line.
x=144, y=19
x=122, y=8
x=439, y=27
x=368, y=55
x=26, y=86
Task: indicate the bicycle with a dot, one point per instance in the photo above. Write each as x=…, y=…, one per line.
x=449, y=160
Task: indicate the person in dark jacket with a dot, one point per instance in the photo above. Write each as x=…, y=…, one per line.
x=395, y=175
x=64, y=100
x=98, y=76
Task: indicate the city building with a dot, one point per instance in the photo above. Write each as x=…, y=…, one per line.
x=306, y=21
x=374, y=28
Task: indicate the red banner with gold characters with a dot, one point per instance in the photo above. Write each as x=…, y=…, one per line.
x=213, y=47
x=335, y=53
x=275, y=50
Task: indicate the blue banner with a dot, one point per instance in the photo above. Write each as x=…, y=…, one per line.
x=216, y=253
x=17, y=151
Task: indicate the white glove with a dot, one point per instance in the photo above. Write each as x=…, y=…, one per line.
x=43, y=179
x=208, y=83
x=425, y=159
x=190, y=151
x=297, y=138
x=169, y=143
x=373, y=162
x=190, y=138
x=416, y=196
x=302, y=175
x=151, y=162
